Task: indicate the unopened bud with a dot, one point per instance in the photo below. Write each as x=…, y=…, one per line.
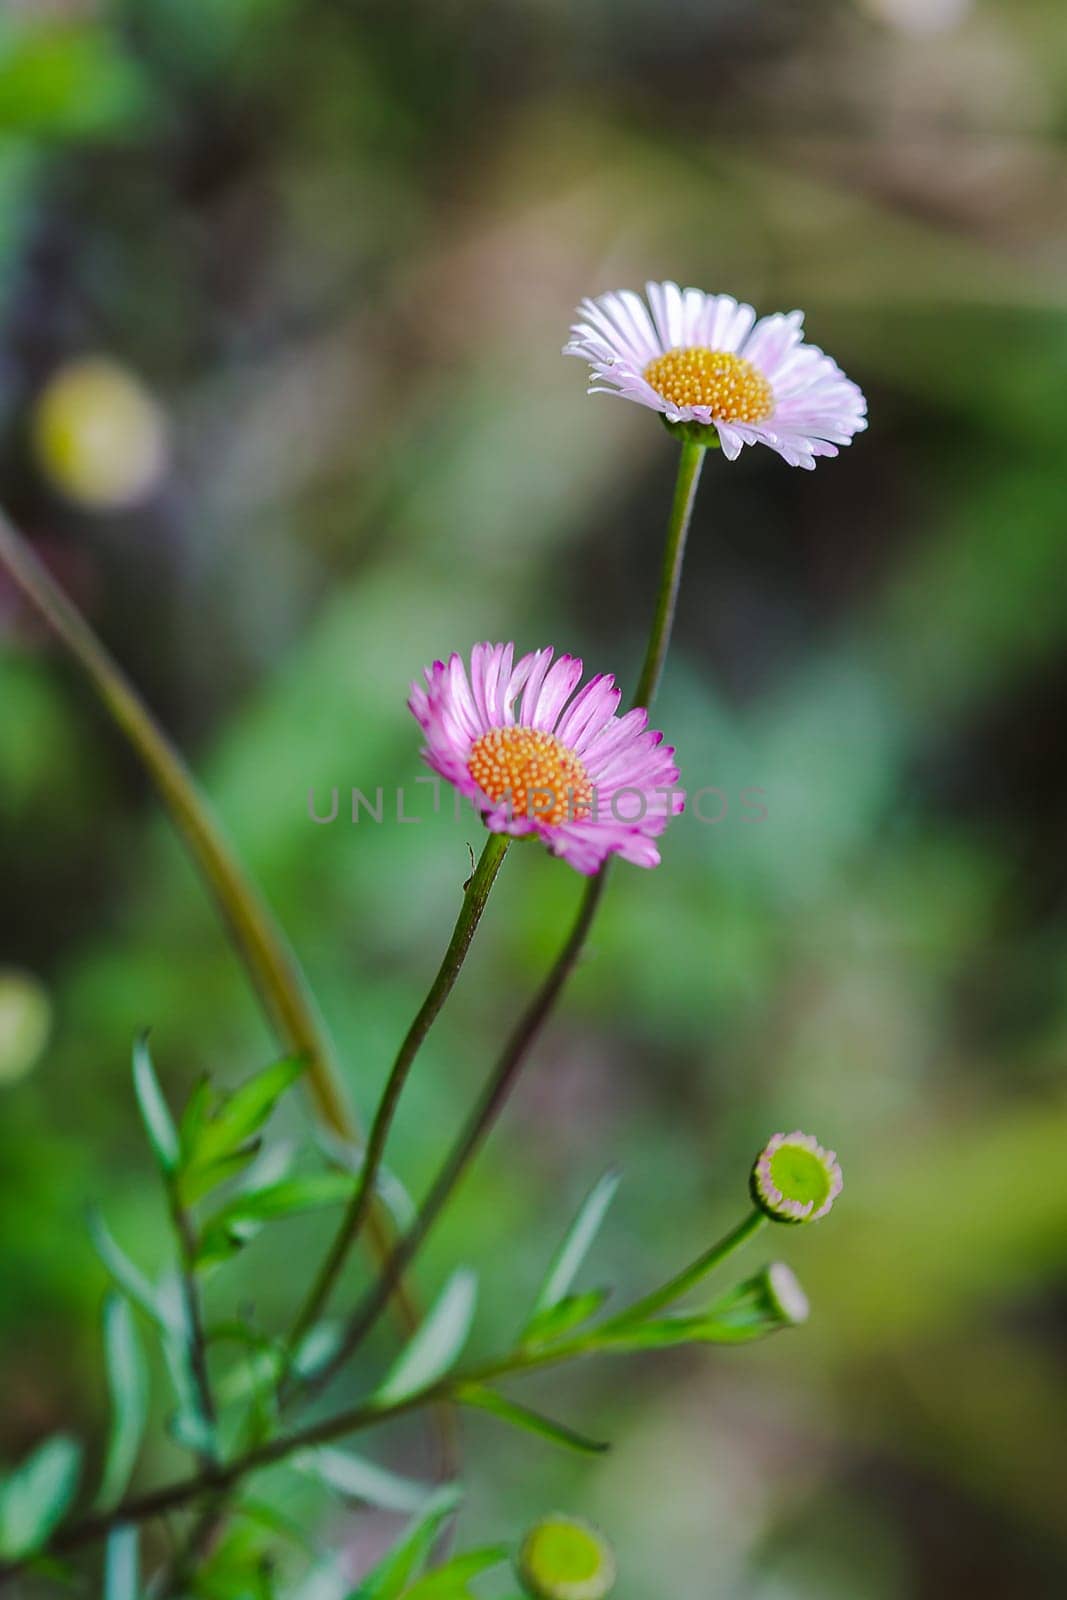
x=562, y=1558
x=771, y=1300
x=794, y=1179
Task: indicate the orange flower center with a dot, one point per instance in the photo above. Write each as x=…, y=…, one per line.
x=732, y=387
x=533, y=773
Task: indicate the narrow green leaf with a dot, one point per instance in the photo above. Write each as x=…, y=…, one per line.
x=285, y=1199
x=221, y=1245
x=358, y=1479
x=566, y=1314
x=520, y=1416
x=37, y=1495
x=197, y=1110
x=264, y=1361
x=222, y=1237
x=245, y=1111
x=236, y=1567
x=274, y=1521
x=392, y=1575
x=576, y=1244
x=129, y=1278
x=241, y=1218
x=318, y=1346
x=162, y=1134
x=257, y=1373
x=190, y=1427
x=438, y=1342
x=329, y=1580
x=121, y=1564
x=451, y=1582
x=128, y=1384
x=196, y=1182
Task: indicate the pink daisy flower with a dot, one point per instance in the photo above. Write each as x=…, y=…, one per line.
x=704, y=358
x=537, y=758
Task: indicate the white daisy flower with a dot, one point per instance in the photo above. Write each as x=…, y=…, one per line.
x=705, y=359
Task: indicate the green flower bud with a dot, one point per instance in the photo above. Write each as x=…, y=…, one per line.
x=771, y=1300
x=794, y=1179
x=562, y=1558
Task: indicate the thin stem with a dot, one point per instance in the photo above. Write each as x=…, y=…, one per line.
x=186, y=1232
x=685, y=489
x=676, y=1287
x=478, y=1125
x=476, y=895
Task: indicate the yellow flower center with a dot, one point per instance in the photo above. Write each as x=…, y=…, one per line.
x=733, y=389
x=532, y=772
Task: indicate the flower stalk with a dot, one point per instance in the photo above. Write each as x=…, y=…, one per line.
x=476, y=895
x=475, y=1131
x=685, y=491
x=687, y=1279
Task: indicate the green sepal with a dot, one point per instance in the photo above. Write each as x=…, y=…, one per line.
x=704, y=433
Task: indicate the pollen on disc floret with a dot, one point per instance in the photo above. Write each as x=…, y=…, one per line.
x=533, y=772
x=731, y=387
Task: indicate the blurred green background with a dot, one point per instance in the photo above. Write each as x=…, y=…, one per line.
x=330, y=252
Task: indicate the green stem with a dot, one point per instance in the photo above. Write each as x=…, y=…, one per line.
x=475, y=897
x=513, y=1056
x=676, y=1287
x=186, y=1232
x=685, y=489
x=270, y=963
x=478, y=1125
